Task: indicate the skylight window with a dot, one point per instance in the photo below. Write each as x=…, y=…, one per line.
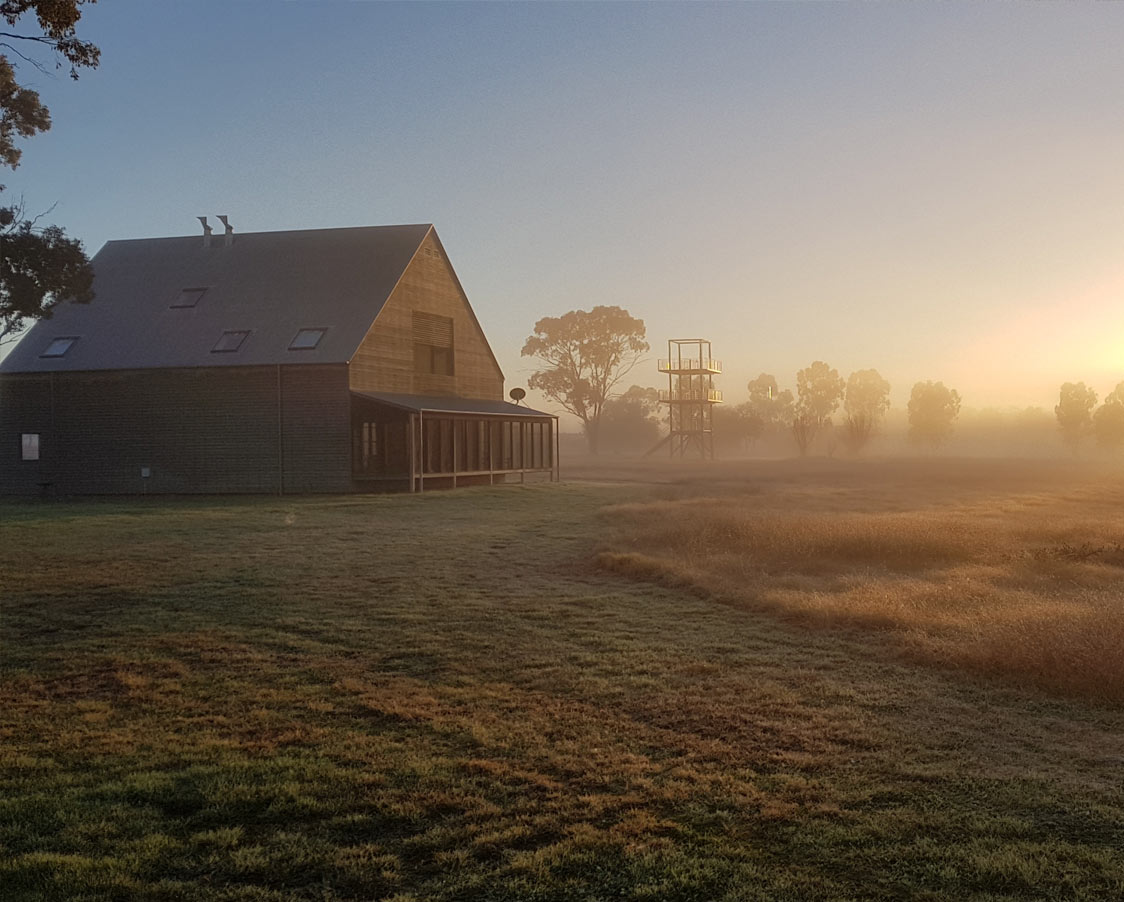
x=306, y=339
x=59, y=347
x=230, y=341
x=189, y=297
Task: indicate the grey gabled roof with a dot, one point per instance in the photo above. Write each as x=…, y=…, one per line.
x=271, y=284
x=432, y=404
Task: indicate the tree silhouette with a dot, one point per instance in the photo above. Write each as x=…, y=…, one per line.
x=932, y=410
x=819, y=389
x=768, y=409
x=1074, y=411
x=586, y=353
x=39, y=265
x=1108, y=421
x=866, y=402
x=631, y=421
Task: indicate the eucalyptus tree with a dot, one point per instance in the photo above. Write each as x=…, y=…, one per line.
x=819, y=389
x=1074, y=412
x=586, y=353
x=39, y=265
x=933, y=408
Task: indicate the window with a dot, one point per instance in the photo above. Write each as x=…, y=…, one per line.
x=433, y=344
x=306, y=339
x=432, y=361
x=59, y=347
x=441, y=361
x=230, y=341
x=189, y=297
x=30, y=445
x=366, y=448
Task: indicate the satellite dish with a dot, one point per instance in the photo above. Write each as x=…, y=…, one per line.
x=517, y=395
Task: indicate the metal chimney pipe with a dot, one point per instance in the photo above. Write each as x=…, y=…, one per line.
x=229, y=230
x=206, y=231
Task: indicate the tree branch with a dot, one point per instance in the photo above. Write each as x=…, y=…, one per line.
x=27, y=59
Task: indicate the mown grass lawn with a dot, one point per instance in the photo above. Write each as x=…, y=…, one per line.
x=442, y=697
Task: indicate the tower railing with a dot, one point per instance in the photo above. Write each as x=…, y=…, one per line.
x=690, y=365
x=713, y=395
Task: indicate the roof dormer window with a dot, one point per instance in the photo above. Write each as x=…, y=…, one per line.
x=306, y=339
x=59, y=346
x=230, y=341
x=189, y=297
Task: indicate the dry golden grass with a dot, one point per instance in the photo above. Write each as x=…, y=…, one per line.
x=1021, y=574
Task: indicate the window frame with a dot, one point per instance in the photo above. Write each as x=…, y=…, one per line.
x=245, y=333
x=198, y=293
x=71, y=341
x=31, y=450
x=434, y=344
x=436, y=357
x=427, y=358
x=321, y=330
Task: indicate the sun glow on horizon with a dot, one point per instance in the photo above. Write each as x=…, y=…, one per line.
x=1024, y=358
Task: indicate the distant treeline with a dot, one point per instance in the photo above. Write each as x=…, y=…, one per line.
x=831, y=416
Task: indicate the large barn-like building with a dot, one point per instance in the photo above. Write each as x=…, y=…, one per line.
x=331, y=360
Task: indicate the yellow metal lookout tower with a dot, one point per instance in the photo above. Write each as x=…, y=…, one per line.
x=690, y=397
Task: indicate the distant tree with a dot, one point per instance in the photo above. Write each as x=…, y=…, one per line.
x=735, y=427
x=586, y=353
x=1075, y=412
x=819, y=389
x=39, y=265
x=932, y=410
x=1108, y=421
x=631, y=421
x=804, y=430
x=829, y=439
x=768, y=409
x=866, y=402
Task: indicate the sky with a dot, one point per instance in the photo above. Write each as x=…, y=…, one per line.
x=935, y=191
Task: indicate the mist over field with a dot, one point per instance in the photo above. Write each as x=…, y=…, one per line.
x=986, y=432
x=1079, y=423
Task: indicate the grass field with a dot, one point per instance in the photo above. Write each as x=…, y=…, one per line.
x=1014, y=569
x=468, y=696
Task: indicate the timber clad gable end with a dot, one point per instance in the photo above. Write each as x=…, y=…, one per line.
x=427, y=296
x=317, y=361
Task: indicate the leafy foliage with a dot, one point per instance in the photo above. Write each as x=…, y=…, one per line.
x=768, y=409
x=866, y=402
x=1108, y=421
x=932, y=410
x=38, y=269
x=631, y=422
x=1075, y=412
x=586, y=353
x=21, y=111
x=819, y=389
x=733, y=429
x=21, y=114
x=58, y=20
x=39, y=266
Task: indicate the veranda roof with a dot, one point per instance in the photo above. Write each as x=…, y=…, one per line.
x=449, y=405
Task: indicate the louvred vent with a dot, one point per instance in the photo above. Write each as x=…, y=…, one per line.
x=435, y=331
